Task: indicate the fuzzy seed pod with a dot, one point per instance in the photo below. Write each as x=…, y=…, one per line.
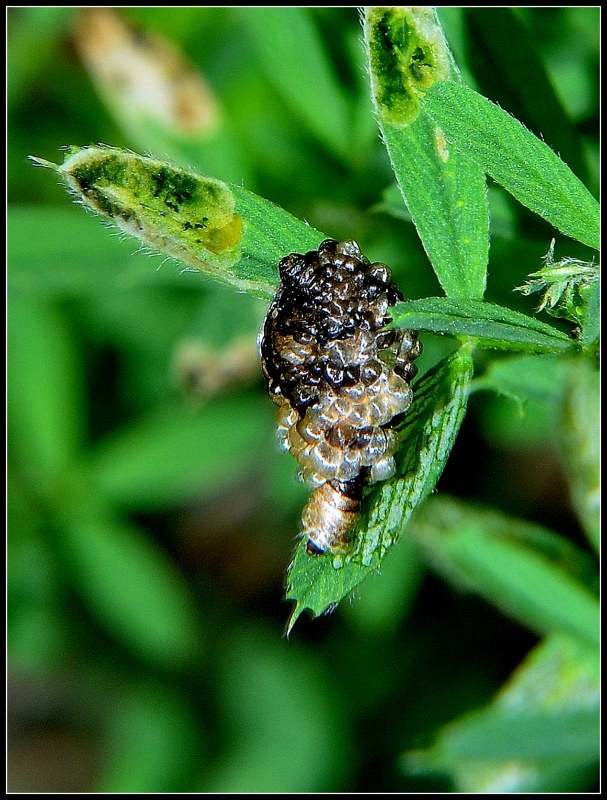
x=340, y=381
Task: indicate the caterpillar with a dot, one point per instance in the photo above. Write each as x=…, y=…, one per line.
x=339, y=380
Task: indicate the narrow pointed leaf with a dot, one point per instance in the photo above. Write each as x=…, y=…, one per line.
x=512, y=565
x=512, y=70
x=489, y=324
x=45, y=395
x=128, y=583
x=580, y=439
x=515, y=158
x=444, y=190
x=296, y=61
x=172, y=455
x=539, y=734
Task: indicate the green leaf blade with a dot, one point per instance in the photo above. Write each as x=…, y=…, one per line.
x=172, y=455
x=526, y=571
x=573, y=734
x=524, y=582
x=447, y=203
x=515, y=158
x=490, y=325
x=539, y=734
x=514, y=72
x=445, y=191
x=45, y=392
x=131, y=586
x=307, y=82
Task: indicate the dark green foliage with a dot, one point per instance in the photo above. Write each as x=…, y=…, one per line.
x=149, y=532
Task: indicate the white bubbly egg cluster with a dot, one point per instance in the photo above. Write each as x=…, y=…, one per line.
x=339, y=378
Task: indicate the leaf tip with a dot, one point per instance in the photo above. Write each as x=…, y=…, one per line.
x=407, y=54
x=42, y=162
x=293, y=617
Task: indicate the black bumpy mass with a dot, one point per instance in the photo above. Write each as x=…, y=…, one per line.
x=339, y=379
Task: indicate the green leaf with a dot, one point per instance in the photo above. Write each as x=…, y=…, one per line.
x=580, y=438
x=444, y=190
x=515, y=158
x=573, y=734
x=35, y=619
x=506, y=562
x=151, y=740
x=539, y=733
x=284, y=717
x=218, y=228
x=523, y=378
x=502, y=218
x=559, y=672
x=490, y=325
x=45, y=420
x=173, y=455
x=428, y=433
x=512, y=70
x=296, y=61
x=129, y=584
x=591, y=322
x=525, y=584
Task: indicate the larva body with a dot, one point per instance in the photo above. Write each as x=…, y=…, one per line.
x=339, y=380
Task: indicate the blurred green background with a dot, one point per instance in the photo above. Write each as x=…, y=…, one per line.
x=151, y=517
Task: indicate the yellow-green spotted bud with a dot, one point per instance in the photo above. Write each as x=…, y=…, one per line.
x=408, y=54
x=210, y=226
x=169, y=209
